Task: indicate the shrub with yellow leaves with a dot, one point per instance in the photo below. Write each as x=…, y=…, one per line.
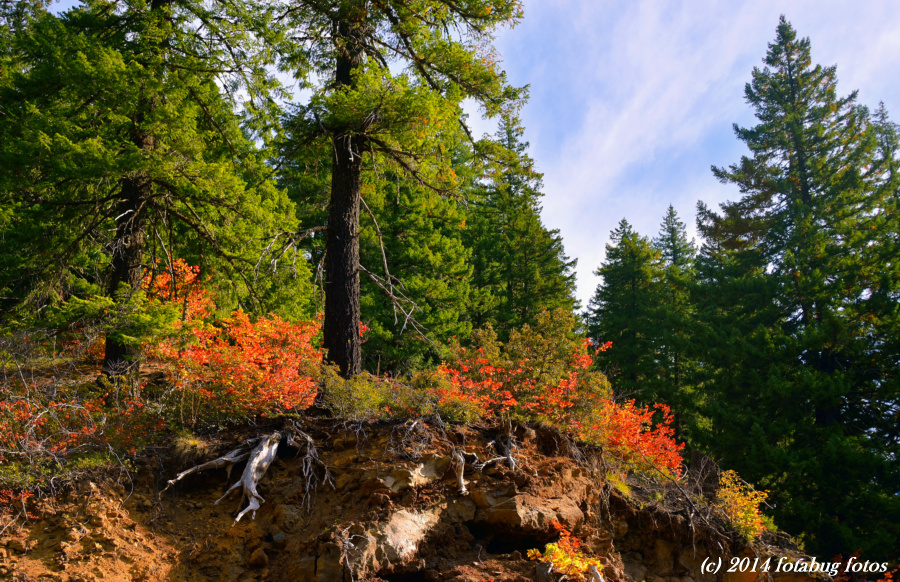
x=565, y=557
x=739, y=504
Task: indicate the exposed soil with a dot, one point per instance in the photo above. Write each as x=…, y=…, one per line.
x=393, y=511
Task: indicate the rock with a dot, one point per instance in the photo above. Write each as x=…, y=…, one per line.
x=288, y=517
x=328, y=564
x=568, y=513
x=258, y=558
x=303, y=569
x=461, y=510
x=635, y=571
x=344, y=480
x=17, y=545
x=404, y=532
x=664, y=557
x=522, y=512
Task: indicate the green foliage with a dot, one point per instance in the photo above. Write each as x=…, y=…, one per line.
x=520, y=267
x=398, y=118
x=794, y=311
x=623, y=310
x=161, y=126
x=419, y=233
x=366, y=398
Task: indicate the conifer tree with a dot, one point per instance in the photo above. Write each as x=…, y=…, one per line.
x=675, y=317
x=797, y=398
x=622, y=311
x=372, y=116
x=520, y=265
x=119, y=122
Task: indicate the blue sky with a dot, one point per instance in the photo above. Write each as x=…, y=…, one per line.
x=632, y=101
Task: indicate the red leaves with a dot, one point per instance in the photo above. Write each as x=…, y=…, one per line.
x=236, y=367
x=573, y=399
x=628, y=431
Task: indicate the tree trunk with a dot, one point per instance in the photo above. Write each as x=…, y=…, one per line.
x=341, y=326
x=127, y=266
x=128, y=249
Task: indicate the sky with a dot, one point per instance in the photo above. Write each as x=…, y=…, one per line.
x=632, y=101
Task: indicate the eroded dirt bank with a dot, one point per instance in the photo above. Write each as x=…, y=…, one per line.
x=393, y=509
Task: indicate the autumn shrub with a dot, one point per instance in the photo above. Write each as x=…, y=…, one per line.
x=365, y=397
x=55, y=412
x=234, y=368
x=565, y=555
x=362, y=397
x=641, y=437
x=739, y=504
x=51, y=416
x=545, y=373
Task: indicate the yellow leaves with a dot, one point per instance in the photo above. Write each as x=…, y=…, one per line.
x=566, y=558
x=739, y=504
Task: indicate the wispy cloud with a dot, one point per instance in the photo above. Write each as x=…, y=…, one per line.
x=631, y=104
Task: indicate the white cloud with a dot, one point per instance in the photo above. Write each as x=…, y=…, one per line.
x=631, y=105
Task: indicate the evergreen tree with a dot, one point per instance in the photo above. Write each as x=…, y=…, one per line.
x=622, y=311
x=788, y=274
x=118, y=123
x=675, y=317
x=343, y=50
x=417, y=247
x=520, y=264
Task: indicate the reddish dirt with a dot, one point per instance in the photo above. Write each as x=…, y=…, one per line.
x=119, y=528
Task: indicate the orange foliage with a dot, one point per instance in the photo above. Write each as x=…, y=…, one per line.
x=515, y=387
x=237, y=367
x=629, y=432
x=572, y=396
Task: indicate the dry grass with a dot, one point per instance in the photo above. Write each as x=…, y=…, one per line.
x=190, y=448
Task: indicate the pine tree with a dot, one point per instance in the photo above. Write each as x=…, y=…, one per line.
x=520, y=264
x=118, y=122
x=370, y=115
x=622, y=311
x=418, y=238
x=674, y=317
x=787, y=274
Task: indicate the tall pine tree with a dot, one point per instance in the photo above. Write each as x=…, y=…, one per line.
x=674, y=316
x=519, y=265
x=375, y=114
x=623, y=311
x=788, y=274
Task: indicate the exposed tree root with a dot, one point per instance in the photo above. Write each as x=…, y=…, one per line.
x=242, y=453
x=260, y=453
x=257, y=465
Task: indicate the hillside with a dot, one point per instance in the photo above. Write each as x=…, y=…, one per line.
x=389, y=508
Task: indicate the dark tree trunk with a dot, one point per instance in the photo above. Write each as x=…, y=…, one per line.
x=126, y=268
x=341, y=326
